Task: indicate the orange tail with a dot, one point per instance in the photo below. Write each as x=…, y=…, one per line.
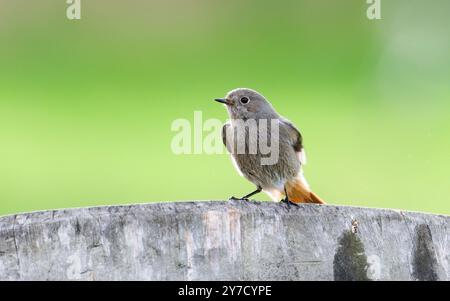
x=298, y=192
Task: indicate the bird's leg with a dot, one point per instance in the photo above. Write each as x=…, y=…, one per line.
x=246, y=198
x=258, y=190
x=286, y=199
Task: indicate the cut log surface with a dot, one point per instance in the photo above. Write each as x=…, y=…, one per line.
x=232, y=240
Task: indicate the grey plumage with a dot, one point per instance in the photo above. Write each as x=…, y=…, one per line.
x=246, y=105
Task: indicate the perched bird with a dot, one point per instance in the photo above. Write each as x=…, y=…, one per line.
x=281, y=180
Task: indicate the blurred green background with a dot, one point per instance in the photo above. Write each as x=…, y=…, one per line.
x=86, y=106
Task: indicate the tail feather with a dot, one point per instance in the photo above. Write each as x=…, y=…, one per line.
x=316, y=199
x=298, y=192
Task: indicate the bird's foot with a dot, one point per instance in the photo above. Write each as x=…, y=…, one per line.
x=238, y=199
x=289, y=202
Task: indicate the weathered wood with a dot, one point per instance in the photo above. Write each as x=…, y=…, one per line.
x=234, y=240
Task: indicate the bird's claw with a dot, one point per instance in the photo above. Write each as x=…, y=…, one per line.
x=238, y=199
x=289, y=203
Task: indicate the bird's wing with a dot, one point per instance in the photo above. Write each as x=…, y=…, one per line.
x=297, y=144
x=297, y=140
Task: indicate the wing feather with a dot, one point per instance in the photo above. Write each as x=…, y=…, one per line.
x=297, y=140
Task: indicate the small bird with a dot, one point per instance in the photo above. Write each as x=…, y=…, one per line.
x=282, y=180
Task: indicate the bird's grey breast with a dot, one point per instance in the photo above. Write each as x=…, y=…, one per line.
x=248, y=143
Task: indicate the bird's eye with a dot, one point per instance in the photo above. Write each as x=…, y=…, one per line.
x=245, y=100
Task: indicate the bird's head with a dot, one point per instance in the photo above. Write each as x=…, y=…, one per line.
x=246, y=104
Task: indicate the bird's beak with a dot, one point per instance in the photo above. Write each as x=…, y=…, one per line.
x=223, y=100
